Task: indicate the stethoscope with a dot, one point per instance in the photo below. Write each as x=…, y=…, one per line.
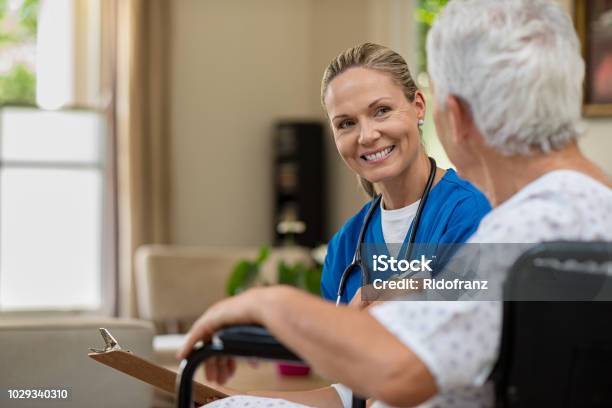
x=357, y=261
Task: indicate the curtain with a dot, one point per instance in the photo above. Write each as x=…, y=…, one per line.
x=142, y=29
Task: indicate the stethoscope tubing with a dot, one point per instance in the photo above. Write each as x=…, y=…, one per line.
x=357, y=261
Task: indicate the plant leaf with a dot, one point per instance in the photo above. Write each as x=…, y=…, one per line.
x=264, y=251
x=312, y=280
x=241, y=278
x=287, y=275
x=18, y=86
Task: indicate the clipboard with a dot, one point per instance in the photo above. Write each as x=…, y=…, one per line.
x=144, y=370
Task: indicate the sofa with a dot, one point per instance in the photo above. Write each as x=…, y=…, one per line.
x=51, y=353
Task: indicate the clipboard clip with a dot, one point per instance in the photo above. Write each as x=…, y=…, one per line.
x=110, y=344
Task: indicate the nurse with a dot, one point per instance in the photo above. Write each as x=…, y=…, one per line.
x=376, y=113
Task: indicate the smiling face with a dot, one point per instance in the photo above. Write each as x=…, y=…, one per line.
x=375, y=126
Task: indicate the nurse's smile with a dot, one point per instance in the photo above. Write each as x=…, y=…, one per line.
x=377, y=156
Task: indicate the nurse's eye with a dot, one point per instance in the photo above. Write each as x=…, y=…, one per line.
x=345, y=124
x=381, y=111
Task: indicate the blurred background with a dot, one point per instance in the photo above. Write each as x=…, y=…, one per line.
x=185, y=122
x=157, y=155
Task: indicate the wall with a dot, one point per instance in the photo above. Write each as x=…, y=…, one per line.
x=237, y=66
x=597, y=141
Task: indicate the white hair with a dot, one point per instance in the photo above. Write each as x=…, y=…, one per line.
x=516, y=64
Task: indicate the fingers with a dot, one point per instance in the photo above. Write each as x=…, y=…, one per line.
x=219, y=369
x=197, y=332
x=202, y=329
x=232, y=367
x=253, y=362
x=226, y=369
x=235, y=310
x=356, y=300
x=210, y=368
x=365, y=304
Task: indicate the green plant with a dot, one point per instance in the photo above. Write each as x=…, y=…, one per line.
x=20, y=26
x=3, y=7
x=28, y=14
x=18, y=86
x=300, y=276
x=426, y=13
x=17, y=30
x=246, y=274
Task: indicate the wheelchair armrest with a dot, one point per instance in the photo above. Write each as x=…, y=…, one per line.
x=246, y=341
x=252, y=341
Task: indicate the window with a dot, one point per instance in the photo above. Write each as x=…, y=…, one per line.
x=53, y=161
x=425, y=14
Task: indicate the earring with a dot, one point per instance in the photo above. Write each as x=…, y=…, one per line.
x=421, y=122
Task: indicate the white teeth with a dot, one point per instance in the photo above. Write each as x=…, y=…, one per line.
x=378, y=155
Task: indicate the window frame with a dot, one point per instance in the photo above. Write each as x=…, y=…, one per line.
x=105, y=164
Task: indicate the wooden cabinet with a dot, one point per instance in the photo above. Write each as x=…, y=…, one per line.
x=299, y=183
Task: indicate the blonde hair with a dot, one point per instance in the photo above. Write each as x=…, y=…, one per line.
x=376, y=57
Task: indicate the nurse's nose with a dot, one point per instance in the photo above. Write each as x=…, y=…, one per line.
x=368, y=134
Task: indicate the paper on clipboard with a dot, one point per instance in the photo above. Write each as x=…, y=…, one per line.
x=147, y=371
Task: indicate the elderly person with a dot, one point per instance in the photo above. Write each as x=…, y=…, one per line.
x=507, y=78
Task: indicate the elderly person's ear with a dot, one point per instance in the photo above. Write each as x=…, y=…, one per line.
x=460, y=121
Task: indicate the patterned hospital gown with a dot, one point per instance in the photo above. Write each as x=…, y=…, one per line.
x=458, y=341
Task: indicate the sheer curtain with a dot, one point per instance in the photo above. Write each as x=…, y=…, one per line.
x=141, y=51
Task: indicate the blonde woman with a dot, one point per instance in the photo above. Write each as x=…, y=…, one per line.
x=376, y=112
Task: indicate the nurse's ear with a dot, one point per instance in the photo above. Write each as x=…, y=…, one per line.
x=419, y=104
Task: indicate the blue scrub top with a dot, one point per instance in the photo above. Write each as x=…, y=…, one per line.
x=451, y=214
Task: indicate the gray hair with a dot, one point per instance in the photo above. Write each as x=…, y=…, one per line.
x=516, y=64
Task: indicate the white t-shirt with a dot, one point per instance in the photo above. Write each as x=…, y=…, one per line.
x=396, y=223
x=458, y=341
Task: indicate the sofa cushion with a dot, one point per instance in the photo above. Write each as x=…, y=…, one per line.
x=52, y=353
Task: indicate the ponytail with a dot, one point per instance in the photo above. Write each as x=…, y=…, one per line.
x=367, y=186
